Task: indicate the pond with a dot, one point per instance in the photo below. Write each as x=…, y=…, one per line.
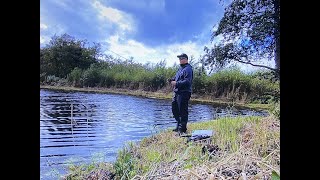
x=80, y=127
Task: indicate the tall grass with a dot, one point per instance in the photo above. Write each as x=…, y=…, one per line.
x=230, y=84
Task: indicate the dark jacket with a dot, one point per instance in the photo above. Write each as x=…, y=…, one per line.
x=184, y=77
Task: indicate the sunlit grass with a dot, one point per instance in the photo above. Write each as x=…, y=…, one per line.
x=229, y=84
x=248, y=146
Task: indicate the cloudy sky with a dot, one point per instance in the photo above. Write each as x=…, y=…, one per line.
x=147, y=30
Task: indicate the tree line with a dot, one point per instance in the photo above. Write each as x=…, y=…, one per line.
x=66, y=61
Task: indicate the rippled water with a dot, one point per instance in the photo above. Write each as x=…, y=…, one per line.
x=101, y=124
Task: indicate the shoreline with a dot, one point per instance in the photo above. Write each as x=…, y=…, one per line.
x=241, y=147
x=158, y=95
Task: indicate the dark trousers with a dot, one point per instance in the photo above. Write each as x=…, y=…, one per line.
x=180, y=103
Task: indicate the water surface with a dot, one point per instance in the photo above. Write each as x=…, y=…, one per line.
x=101, y=124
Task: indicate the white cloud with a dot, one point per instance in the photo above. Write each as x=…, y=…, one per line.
x=128, y=48
x=250, y=68
x=42, y=40
x=46, y=31
x=43, y=26
x=121, y=19
x=149, y=6
x=143, y=54
x=190, y=48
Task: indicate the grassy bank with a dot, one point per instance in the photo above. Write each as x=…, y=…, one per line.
x=241, y=148
x=161, y=95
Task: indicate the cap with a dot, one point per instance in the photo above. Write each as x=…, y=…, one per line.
x=182, y=55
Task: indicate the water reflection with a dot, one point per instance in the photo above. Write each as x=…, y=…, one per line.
x=103, y=123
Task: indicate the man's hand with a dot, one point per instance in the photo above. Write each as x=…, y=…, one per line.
x=173, y=84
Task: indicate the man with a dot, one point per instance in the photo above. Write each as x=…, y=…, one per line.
x=182, y=87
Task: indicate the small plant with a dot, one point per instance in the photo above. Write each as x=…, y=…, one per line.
x=52, y=80
x=124, y=165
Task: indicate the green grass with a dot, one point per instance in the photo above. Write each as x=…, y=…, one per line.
x=249, y=146
x=230, y=84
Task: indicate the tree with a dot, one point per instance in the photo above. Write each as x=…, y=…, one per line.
x=64, y=53
x=250, y=31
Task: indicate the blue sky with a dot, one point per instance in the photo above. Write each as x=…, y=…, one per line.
x=147, y=30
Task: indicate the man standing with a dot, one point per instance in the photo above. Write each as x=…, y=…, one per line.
x=182, y=87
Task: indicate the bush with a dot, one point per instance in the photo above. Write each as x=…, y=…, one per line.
x=75, y=77
x=52, y=80
x=91, y=76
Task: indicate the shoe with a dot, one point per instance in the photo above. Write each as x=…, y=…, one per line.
x=182, y=132
x=177, y=127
